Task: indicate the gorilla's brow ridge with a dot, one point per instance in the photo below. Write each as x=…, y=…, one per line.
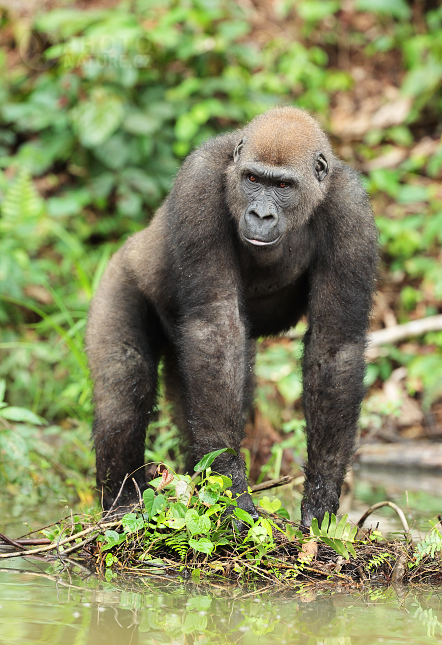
x=269, y=172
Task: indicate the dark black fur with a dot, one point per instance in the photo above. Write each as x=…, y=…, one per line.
x=262, y=226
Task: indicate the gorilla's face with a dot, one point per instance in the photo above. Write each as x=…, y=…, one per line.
x=269, y=194
x=275, y=199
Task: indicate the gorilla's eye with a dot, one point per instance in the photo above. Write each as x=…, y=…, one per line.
x=321, y=167
x=252, y=178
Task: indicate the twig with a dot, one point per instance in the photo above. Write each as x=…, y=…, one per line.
x=52, y=546
x=140, y=497
x=272, y=483
x=379, y=505
x=11, y=542
x=79, y=545
x=394, y=334
x=400, y=332
x=258, y=591
x=116, y=499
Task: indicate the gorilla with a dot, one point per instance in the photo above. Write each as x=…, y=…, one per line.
x=262, y=226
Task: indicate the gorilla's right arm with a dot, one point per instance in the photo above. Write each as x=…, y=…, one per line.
x=175, y=283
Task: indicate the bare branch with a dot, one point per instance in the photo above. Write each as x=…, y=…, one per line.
x=379, y=505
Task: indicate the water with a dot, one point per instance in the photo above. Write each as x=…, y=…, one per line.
x=68, y=610
x=40, y=604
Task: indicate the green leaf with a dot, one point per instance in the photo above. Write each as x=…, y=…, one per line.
x=148, y=499
x=203, y=545
x=208, y=496
x=177, y=524
x=159, y=503
x=394, y=8
x=194, y=621
x=337, y=545
x=268, y=506
x=113, y=539
x=314, y=528
x=243, y=516
x=338, y=536
x=290, y=387
x=213, y=509
x=141, y=123
x=283, y=512
x=341, y=526
x=178, y=510
x=110, y=560
x=197, y=523
x=22, y=415
x=196, y=576
x=208, y=459
x=328, y=527
x=22, y=203
x=132, y=522
x=223, y=481
x=258, y=534
x=315, y=10
x=292, y=533
x=98, y=118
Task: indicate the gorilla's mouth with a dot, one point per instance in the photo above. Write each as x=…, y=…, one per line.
x=261, y=242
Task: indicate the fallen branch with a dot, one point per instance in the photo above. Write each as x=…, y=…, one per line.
x=272, y=483
x=10, y=542
x=55, y=545
x=391, y=335
x=394, y=334
x=379, y=505
x=22, y=543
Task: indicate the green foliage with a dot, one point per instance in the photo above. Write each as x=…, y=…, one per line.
x=208, y=460
x=377, y=561
x=393, y=8
x=429, y=546
x=201, y=526
x=339, y=536
x=12, y=413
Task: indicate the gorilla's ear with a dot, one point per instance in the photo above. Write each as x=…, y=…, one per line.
x=321, y=167
x=237, y=151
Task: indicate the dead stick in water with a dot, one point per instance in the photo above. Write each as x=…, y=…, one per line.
x=391, y=505
x=53, y=546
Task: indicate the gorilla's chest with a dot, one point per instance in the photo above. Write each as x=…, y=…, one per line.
x=273, y=306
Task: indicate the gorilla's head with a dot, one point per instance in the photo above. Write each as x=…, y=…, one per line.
x=280, y=173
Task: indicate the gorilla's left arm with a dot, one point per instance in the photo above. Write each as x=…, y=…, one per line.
x=341, y=285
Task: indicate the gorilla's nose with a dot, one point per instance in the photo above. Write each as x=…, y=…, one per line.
x=263, y=213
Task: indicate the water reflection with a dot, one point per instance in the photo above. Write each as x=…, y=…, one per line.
x=69, y=610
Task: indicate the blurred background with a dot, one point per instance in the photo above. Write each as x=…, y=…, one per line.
x=99, y=103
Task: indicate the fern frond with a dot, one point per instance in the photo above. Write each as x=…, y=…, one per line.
x=338, y=536
x=179, y=543
x=431, y=544
x=377, y=561
x=22, y=203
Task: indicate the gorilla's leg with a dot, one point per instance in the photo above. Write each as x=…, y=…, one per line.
x=124, y=340
x=250, y=380
x=175, y=394
x=214, y=360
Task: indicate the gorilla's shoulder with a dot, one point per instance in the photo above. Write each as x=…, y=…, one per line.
x=218, y=150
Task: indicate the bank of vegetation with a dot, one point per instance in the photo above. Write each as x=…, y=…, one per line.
x=191, y=528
